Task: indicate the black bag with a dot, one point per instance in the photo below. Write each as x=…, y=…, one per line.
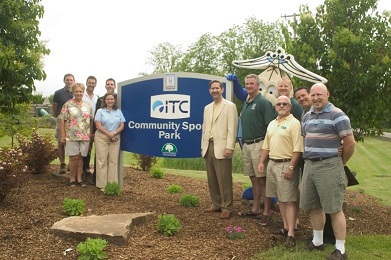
x=351, y=178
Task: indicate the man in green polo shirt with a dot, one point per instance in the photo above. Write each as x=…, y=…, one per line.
x=257, y=112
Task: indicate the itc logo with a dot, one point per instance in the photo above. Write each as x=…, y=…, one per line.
x=170, y=106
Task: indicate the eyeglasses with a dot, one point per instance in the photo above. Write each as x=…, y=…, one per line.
x=282, y=104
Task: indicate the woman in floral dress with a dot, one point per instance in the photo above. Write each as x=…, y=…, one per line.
x=76, y=116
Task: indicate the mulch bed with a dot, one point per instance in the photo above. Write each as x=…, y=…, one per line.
x=30, y=210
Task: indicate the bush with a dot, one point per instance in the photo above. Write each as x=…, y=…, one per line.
x=12, y=169
x=156, y=173
x=174, y=189
x=39, y=151
x=189, y=200
x=92, y=249
x=145, y=161
x=112, y=189
x=73, y=207
x=168, y=225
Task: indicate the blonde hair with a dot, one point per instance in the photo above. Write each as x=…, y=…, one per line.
x=78, y=85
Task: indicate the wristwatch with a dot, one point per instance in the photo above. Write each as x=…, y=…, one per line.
x=290, y=167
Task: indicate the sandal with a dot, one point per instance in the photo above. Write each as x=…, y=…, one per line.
x=265, y=220
x=249, y=214
x=290, y=242
x=80, y=183
x=72, y=183
x=281, y=232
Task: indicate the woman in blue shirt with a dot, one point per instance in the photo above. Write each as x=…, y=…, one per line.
x=109, y=122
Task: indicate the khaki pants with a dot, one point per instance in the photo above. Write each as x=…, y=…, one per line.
x=219, y=173
x=107, y=154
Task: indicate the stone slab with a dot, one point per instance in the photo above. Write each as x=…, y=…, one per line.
x=115, y=228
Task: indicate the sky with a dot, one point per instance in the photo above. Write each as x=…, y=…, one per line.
x=113, y=39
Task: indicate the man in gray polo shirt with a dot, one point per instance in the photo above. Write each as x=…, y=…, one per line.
x=324, y=182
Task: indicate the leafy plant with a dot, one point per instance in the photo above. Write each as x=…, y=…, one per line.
x=39, y=151
x=189, y=200
x=92, y=249
x=145, y=161
x=73, y=207
x=156, y=173
x=357, y=209
x=168, y=225
x=12, y=169
x=174, y=189
x=112, y=189
x=235, y=232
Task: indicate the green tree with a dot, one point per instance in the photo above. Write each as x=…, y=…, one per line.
x=37, y=98
x=20, y=122
x=165, y=57
x=348, y=43
x=20, y=52
x=201, y=56
x=250, y=40
x=214, y=54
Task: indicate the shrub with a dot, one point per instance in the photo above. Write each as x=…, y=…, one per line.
x=112, y=189
x=174, y=189
x=73, y=207
x=168, y=225
x=189, y=200
x=145, y=161
x=156, y=173
x=12, y=169
x=92, y=249
x=39, y=151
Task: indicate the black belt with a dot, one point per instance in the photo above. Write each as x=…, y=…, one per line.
x=281, y=160
x=257, y=140
x=319, y=159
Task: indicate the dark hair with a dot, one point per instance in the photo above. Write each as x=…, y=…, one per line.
x=91, y=77
x=67, y=75
x=110, y=79
x=300, y=88
x=216, y=81
x=104, y=100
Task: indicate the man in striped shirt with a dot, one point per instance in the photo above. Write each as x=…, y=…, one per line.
x=324, y=182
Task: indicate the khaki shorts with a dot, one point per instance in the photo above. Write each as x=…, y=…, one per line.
x=323, y=185
x=73, y=148
x=277, y=186
x=251, y=155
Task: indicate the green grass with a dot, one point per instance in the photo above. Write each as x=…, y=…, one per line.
x=202, y=174
x=199, y=163
x=358, y=247
x=371, y=161
x=128, y=158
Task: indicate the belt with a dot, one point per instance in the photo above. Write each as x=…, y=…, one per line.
x=257, y=140
x=281, y=160
x=319, y=159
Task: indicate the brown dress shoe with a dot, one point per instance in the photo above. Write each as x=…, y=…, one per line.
x=212, y=209
x=225, y=214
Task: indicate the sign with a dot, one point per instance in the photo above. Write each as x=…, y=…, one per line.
x=164, y=113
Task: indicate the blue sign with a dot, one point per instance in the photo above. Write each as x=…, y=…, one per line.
x=164, y=113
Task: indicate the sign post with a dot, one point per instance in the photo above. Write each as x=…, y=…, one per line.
x=164, y=113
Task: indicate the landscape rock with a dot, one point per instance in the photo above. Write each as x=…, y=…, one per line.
x=115, y=228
